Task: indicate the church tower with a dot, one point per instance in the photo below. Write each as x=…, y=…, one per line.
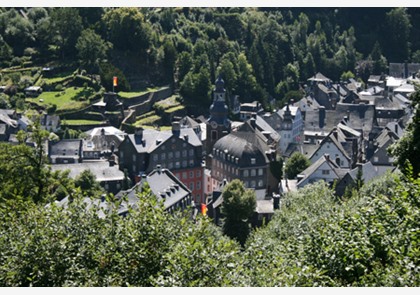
x=286, y=130
x=218, y=125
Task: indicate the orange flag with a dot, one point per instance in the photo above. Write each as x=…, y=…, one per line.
x=204, y=209
x=115, y=81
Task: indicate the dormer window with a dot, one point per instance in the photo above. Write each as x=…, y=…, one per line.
x=253, y=161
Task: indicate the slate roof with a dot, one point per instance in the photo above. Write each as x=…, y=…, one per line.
x=3, y=129
x=314, y=167
x=163, y=184
x=264, y=126
x=102, y=139
x=4, y=117
x=360, y=117
x=336, y=141
x=189, y=122
x=307, y=103
x=318, y=77
x=101, y=169
x=152, y=139
x=66, y=148
x=244, y=144
x=368, y=170
x=407, y=88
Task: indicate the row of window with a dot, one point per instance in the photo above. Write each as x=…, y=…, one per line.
x=198, y=186
x=185, y=175
x=253, y=184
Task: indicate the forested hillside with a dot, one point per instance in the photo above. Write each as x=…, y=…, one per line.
x=262, y=54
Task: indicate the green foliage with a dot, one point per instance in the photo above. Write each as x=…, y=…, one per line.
x=127, y=21
x=107, y=71
x=28, y=165
x=52, y=246
x=238, y=206
x=296, y=164
x=67, y=22
x=87, y=183
x=91, y=49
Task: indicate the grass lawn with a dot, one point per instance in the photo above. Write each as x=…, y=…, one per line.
x=80, y=122
x=175, y=108
x=65, y=100
x=168, y=103
x=147, y=121
x=162, y=128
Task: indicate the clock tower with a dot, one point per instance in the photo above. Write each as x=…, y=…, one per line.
x=218, y=125
x=286, y=130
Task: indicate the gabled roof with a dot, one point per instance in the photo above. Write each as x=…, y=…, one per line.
x=331, y=138
x=163, y=184
x=101, y=169
x=319, y=78
x=189, y=122
x=368, y=170
x=348, y=131
x=315, y=166
x=264, y=126
x=66, y=147
x=4, y=117
x=152, y=139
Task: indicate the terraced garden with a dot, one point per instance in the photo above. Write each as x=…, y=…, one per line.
x=72, y=98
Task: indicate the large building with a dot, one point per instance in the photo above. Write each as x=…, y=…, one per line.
x=179, y=150
x=245, y=155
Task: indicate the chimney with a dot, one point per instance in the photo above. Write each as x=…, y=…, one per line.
x=321, y=117
x=276, y=201
x=252, y=121
x=158, y=169
x=176, y=127
x=396, y=129
x=139, y=131
x=335, y=134
x=111, y=160
x=327, y=156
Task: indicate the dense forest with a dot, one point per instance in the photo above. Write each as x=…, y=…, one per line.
x=262, y=54
x=369, y=238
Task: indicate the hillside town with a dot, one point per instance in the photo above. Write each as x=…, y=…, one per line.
x=344, y=129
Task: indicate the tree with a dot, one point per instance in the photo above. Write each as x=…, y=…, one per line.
x=127, y=21
x=296, y=164
x=67, y=24
x=398, y=25
x=91, y=49
x=29, y=165
x=73, y=246
x=86, y=181
x=238, y=206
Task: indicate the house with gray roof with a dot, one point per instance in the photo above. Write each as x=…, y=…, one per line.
x=108, y=174
x=335, y=145
x=245, y=155
x=360, y=117
x=323, y=169
x=180, y=150
x=165, y=186
x=368, y=172
x=102, y=142
x=377, y=149
x=65, y=151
